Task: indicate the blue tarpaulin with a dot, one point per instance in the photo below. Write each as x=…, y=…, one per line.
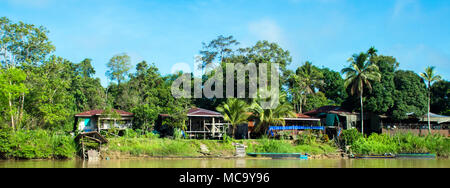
x=281, y=128
x=331, y=118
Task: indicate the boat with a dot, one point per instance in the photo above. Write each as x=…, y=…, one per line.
x=416, y=155
x=385, y=156
x=279, y=155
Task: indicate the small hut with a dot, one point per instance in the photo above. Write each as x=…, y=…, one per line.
x=201, y=123
x=97, y=120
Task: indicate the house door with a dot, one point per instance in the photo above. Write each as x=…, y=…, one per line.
x=87, y=125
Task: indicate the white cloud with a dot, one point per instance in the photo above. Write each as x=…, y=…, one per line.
x=266, y=29
x=403, y=7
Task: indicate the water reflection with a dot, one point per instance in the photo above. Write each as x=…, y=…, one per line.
x=231, y=163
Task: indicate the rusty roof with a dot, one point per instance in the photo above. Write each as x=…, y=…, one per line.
x=202, y=112
x=199, y=112
x=303, y=116
x=329, y=109
x=100, y=112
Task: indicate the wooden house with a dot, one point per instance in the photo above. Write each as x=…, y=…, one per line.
x=97, y=120
x=416, y=125
x=201, y=123
x=335, y=116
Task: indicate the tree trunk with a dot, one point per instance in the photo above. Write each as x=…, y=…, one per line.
x=362, y=113
x=234, y=132
x=21, y=108
x=11, y=109
x=429, y=101
x=300, y=108
x=12, y=115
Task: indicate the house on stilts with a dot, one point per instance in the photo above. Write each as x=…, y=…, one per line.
x=201, y=123
x=98, y=120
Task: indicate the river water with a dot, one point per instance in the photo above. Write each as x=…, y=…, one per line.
x=232, y=163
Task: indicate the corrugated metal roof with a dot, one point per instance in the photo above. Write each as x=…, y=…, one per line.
x=99, y=112
x=329, y=109
x=431, y=115
x=199, y=112
x=202, y=112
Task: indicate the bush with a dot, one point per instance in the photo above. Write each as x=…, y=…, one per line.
x=274, y=146
x=399, y=143
x=350, y=136
x=36, y=144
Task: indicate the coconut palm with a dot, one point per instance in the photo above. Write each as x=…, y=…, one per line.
x=274, y=116
x=298, y=90
x=372, y=51
x=311, y=77
x=305, y=82
x=430, y=76
x=234, y=111
x=359, y=75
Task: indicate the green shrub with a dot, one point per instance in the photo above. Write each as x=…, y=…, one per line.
x=274, y=146
x=399, y=143
x=350, y=136
x=35, y=144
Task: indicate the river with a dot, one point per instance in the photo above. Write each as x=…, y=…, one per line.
x=231, y=163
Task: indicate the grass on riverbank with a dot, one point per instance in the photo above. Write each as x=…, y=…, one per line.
x=399, y=143
x=41, y=144
x=138, y=146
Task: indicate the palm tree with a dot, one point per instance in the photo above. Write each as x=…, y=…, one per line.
x=234, y=111
x=359, y=74
x=311, y=77
x=430, y=76
x=372, y=51
x=305, y=82
x=271, y=116
x=298, y=90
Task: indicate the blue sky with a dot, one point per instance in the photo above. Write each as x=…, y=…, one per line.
x=326, y=32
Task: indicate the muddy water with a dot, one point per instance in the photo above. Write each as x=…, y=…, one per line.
x=232, y=163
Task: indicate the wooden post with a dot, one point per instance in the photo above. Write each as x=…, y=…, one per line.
x=82, y=146
x=213, y=127
x=204, y=129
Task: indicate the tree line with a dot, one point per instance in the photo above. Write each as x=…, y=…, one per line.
x=39, y=90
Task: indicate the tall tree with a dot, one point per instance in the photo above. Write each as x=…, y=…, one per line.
x=23, y=45
x=410, y=95
x=218, y=49
x=310, y=79
x=119, y=65
x=11, y=87
x=234, y=111
x=88, y=92
x=85, y=68
x=360, y=73
x=311, y=76
x=440, y=97
x=430, y=76
x=381, y=99
x=333, y=86
x=297, y=88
